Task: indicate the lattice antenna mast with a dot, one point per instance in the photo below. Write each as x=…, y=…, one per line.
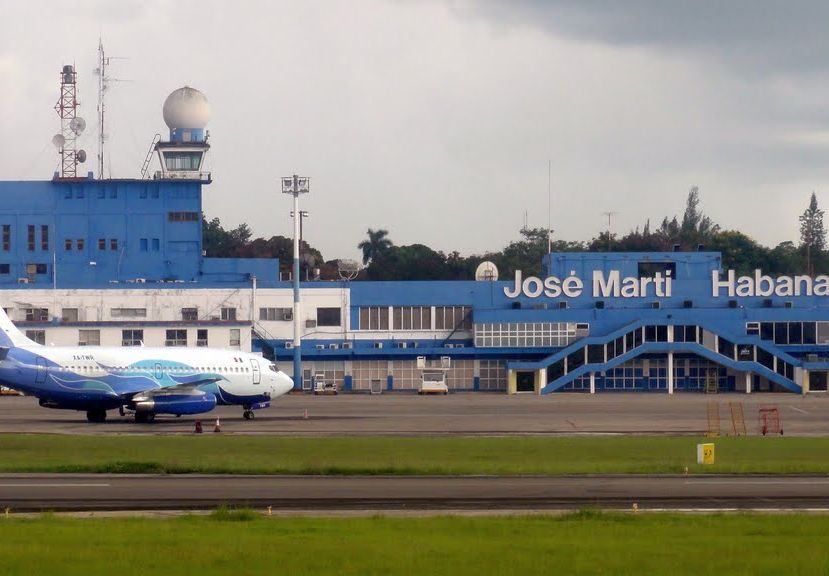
x=67, y=109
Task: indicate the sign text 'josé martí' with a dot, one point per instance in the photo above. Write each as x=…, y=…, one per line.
x=612, y=284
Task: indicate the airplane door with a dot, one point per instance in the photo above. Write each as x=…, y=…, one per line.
x=158, y=373
x=40, y=375
x=255, y=366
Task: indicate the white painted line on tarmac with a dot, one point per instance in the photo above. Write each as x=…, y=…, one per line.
x=801, y=410
x=762, y=483
x=21, y=485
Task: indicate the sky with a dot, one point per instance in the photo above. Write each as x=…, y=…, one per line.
x=447, y=122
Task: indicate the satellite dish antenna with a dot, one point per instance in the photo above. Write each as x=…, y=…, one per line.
x=58, y=140
x=77, y=125
x=348, y=269
x=486, y=271
x=81, y=156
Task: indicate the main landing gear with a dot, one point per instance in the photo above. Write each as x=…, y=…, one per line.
x=144, y=417
x=248, y=414
x=97, y=415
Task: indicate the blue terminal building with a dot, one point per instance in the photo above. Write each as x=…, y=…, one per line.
x=87, y=261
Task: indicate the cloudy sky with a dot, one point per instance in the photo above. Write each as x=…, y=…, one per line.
x=437, y=119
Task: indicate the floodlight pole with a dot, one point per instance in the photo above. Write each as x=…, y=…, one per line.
x=296, y=185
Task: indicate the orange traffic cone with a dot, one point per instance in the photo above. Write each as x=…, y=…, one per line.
x=218, y=426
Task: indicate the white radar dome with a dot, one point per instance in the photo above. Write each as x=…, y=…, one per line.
x=186, y=108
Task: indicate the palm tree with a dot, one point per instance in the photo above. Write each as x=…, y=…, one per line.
x=377, y=244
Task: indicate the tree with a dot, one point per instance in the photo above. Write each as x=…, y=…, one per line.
x=696, y=227
x=812, y=233
x=378, y=243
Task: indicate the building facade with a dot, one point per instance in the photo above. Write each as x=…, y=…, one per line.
x=120, y=262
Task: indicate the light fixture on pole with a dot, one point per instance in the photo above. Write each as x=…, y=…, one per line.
x=296, y=185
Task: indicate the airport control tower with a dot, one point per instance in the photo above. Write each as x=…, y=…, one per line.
x=186, y=113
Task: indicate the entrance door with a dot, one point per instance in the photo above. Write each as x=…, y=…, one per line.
x=255, y=369
x=40, y=376
x=525, y=382
x=817, y=381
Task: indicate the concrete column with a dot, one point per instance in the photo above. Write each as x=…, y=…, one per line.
x=540, y=380
x=670, y=372
x=748, y=382
x=512, y=382
x=592, y=382
x=805, y=384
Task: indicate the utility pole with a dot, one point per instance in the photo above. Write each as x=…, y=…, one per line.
x=296, y=185
x=609, y=216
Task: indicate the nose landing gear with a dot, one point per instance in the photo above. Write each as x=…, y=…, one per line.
x=248, y=414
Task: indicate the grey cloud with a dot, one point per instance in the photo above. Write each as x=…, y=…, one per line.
x=764, y=36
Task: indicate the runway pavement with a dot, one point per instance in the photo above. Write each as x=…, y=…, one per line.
x=61, y=492
x=463, y=413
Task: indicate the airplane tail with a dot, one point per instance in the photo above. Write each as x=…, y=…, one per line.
x=10, y=336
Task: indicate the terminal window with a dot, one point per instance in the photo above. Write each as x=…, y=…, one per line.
x=89, y=337
x=69, y=315
x=201, y=337
x=328, y=317
x=453, y=318
x=189, y=314
x=525, y=334
x=44, y=238
x=412, y=318
x=132, y=337
x=38, y=336
x=102, y=244
x=229, y=314
x=182, y=216
x=79, y=243
x=36, y=314
x=235, y=337
x=7, y=237
x=276, y=314
x=374, y=318
x=67, y=244
x=5, y=268
x=30, y=237
x=128, y=312
x=176, y=338
x=790, y=333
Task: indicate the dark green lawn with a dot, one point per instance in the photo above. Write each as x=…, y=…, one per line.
x=418, y=455
x=585, y=543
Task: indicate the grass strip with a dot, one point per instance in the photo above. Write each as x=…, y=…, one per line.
x=407, y=455
x=244, y=542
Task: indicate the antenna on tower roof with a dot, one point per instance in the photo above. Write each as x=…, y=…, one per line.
x=103, y=85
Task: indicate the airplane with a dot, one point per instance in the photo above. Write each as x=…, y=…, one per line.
x=146, y=381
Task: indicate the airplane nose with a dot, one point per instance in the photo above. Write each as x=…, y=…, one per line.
x=284, y=384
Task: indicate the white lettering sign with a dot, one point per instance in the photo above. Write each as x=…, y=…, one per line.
x=612, y=284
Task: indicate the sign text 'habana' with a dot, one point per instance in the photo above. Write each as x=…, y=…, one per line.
x=612, y=284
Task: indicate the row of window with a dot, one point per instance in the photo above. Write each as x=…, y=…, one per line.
x=173, y=337
x=182, y=216
x=143, y=193
x=415, y=318
x=325, y=316
x=80, y=194
x=788, y=333
x=601, y=353
x=31, y=269
x=71, y=314
x=528, y=334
